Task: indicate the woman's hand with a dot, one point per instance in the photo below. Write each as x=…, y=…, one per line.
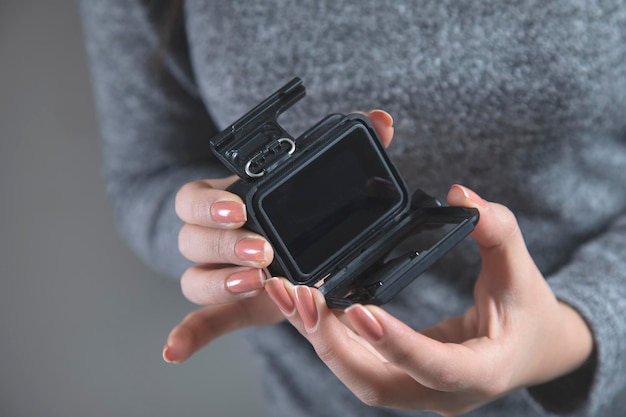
x=229, y=277
x=516, y=334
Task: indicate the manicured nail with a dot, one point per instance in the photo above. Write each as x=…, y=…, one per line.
x=383, y=116
x=167, y=354
x=306, y=307
x=228, y=212
x=279, y=294
x=365, y=323
x=471, y=195
x=251, y=249
x=245, y=281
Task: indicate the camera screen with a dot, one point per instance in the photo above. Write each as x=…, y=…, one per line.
x=333, y=201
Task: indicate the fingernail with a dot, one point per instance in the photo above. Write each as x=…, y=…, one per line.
x=245, y=281
x=306, y=307
x=167, y=354
x=365, y=323
x=279, y=294
x=251, y=250
x=383, y=116
x=471, y=195
x=228, y=212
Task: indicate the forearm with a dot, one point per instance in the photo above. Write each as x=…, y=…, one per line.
x=594, y=284
x=143, y=207
x=154, y=126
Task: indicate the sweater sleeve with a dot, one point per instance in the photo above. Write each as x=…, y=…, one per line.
x=154, y=127
x=594, y=283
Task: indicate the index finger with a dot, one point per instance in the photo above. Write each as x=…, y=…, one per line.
x=204, y=204
x=373, y=381
x=447, y=367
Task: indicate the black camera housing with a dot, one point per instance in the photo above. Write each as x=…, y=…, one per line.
x=332, y=203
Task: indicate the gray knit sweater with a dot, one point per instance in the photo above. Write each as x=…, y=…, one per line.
x=523, y=101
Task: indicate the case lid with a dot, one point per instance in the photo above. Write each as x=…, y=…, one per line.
x=379, y=283
x=256, y=140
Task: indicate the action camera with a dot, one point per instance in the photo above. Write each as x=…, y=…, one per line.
x=332, y=204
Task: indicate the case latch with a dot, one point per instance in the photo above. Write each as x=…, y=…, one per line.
x=257, y=140
x=255, y=167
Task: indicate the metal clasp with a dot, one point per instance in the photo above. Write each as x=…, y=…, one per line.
x=267, y=155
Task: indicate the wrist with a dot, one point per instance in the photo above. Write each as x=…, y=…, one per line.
x=577, y=337
x=566, y=346
x=578, y=333
x=566, y=392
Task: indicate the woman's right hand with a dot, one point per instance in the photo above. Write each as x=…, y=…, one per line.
x=228, y=278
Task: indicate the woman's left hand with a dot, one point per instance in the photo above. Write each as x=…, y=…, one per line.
x=516, y=334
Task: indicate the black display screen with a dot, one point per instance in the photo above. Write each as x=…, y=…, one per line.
x=332, y=201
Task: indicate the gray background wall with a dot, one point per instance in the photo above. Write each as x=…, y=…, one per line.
x=82, y=322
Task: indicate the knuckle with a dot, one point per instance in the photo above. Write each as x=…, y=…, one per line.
x=326, y=352
x=447, y=379
x=183, y=241
x=221, y=245
x=508, y=222
x=200, y=211
x=203, y=285
x=187, y=289
x=401, y=356
x=201, y=244
x=186, y=286
x=370, y=393
x=193, y=202
x=373, y=396
x=372, y=399
x=182, y=198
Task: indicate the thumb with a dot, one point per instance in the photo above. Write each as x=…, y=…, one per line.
x=497, y=223
x=206, y=324
x=198, y=329
x=502, y=247
x=383, y=123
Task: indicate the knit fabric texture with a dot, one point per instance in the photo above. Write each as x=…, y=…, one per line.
x=522, y=101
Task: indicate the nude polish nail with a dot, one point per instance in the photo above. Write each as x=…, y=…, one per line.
x=245, y=281
x=251, y=249
x=471, y=195
x=365, y=323
x=228, y=212
x=306, y=307
x=167, y=354
x=279, y=294
x=383, y=116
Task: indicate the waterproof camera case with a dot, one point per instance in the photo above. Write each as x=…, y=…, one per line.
x=332, y=204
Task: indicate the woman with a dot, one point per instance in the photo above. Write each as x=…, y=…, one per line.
x=522, y=102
